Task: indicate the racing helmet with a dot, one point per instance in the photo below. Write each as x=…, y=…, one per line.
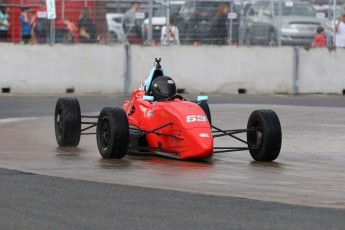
x=163, y=88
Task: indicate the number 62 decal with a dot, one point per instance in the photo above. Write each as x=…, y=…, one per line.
x=196, y=118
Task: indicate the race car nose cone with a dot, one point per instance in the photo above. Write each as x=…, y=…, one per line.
x=200, y=144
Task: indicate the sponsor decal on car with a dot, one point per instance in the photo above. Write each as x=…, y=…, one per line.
x=150, y=113
x=204, y=135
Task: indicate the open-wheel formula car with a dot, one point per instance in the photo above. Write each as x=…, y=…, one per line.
x=157, y=120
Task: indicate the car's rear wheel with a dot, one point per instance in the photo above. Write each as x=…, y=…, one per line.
x=67, y=121
x=265, y=141
x=112, y=133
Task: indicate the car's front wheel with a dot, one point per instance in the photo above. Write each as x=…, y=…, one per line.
x=67, y=121
x=265, y=140
x=112, y=133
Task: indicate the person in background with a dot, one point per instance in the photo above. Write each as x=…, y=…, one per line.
x=340, y=32
x=132, y=26
x=170, y=35
x=4, y=23
x=71, y=30
x=87, y=29
x=218, y=31
x=25, y=25
x=319, y=39
x=41, y=25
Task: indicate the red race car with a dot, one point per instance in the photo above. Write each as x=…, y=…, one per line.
x=157, y=120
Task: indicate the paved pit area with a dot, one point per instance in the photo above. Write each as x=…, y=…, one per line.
x=309, y=171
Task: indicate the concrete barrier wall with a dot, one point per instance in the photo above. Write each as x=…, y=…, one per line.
x=203, y=69
x=213, y=69
x=53, y=69
x=322, y=71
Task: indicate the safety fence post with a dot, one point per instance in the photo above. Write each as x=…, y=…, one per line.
x=52, y=31
x=127, y=77
x=296, y=70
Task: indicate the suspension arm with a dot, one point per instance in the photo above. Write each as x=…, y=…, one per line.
x=232, y=132
x=227, y=133
x=153, y=131
x=145, y=148
x=91, y=124
x=84, y=116
x=233, y=149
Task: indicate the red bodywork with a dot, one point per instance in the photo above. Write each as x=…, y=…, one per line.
x=192, y=136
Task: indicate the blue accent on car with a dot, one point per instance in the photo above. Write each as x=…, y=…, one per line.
x=148, y=98
x=202, y=98
x=148, y=80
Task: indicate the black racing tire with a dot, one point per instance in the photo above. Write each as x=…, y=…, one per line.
x=267, y=137
x=204, y=106
x=67, y=121
x=112, y=133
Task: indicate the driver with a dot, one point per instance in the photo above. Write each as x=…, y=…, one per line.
x=163, y=88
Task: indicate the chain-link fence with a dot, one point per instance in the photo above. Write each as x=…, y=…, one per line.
x=167, y=22
x=75, y=22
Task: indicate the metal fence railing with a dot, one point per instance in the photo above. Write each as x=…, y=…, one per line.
x=167, y=22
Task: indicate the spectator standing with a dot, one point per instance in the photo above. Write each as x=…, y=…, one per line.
x=41, y=26
x=25, y=25
x=87, y=29
x=170, y=35
x=132, y=26
x=4, y=23
x=218, y=31
x=71, y=30
x=319, y=39
x=340, y=32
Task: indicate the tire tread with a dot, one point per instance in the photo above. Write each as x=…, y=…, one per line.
x=70, y=137
x=272, y=137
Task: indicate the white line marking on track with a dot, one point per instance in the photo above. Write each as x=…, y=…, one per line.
x=19, y=119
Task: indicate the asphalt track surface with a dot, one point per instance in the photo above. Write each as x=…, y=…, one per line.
x=44, y=187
